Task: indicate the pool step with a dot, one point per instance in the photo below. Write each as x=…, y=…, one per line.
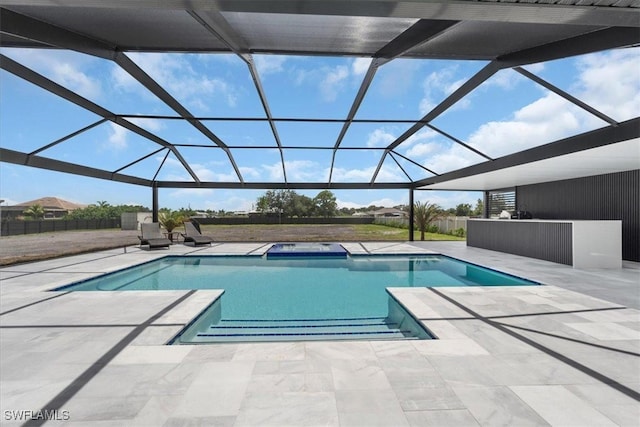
x=300, y=330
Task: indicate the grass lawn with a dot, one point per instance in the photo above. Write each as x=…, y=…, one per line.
x=314, y=232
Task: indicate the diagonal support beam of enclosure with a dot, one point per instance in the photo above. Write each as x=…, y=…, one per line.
x=565, y=95
x=39, y=80
x=30, y=28
x=468, y=86
x=215, y=24
x=420, y=32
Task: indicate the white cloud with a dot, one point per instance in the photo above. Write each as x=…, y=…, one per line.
x=437, y=153
x=451, y=158
x=69, y=69
x=175, y=171
x=304, y=170
x=329, y=81
x=176, y=73
x=386, y=202
x=506, y=79
x=274, y=171
x=123, y=80
x=448, y=199
x=352, y=175
x=535, y=68
x=359, y=66
x=343, y=204
x=386, y=174
x=229, y=202
x=610, y=81
x=269, y=64
x=248, y=172
x=117, y=137
x=206, y=174
x=297, y=170
x=152, y=125
x=333, y=82
x=380, y=138
x=395, y=78
x=422, y=150
x=69, y=76
x=438, y=85
x=189, y=193
x=419, y=142
x=547, y=119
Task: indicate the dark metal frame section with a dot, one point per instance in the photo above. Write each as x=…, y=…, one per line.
x=597, y=138
x=605, y=28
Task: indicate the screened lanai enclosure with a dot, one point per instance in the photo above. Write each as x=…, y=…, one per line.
x=411, y=95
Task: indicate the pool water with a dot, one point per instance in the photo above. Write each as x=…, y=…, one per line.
x=350, y=290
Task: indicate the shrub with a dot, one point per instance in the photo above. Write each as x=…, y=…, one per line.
x=458, y=232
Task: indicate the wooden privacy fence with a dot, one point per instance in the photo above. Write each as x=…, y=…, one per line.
x=14, y=227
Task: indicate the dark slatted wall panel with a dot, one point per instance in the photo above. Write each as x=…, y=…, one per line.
x=502, y=200
x=548, y=241
x=610, y=196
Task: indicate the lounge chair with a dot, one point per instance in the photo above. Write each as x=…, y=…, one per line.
x=192, y=235
x=152, y=236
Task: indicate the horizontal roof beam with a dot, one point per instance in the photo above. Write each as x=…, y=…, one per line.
x=595, y=41
x=286, y=186
x=32, y=29
x=534, y=13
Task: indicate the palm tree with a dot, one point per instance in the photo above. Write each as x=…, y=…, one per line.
x=424, y=214
x=170, y=219
x=35, y=211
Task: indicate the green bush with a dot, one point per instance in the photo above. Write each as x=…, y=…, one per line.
x=458, y=232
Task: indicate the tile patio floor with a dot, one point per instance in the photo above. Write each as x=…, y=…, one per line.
x=567, y=353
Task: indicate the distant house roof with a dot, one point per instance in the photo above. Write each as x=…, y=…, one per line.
x=52, y=203
x=389, y=212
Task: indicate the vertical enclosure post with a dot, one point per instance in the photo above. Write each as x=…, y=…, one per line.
x=411, y=214
x=154, y=208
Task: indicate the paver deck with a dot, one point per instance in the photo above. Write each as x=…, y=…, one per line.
x=566, y=353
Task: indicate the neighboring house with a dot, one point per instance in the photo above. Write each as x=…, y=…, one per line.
x=384, y=212
x=389, y=212
x=53, y=208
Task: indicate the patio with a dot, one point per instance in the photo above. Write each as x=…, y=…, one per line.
x=561, y=354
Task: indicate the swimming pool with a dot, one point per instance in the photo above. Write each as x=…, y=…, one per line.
x=300, y=298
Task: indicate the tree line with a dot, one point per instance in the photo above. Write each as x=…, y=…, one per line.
x=288, y=203
x=284, y=203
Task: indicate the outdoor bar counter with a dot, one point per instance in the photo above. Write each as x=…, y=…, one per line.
x=582, y=244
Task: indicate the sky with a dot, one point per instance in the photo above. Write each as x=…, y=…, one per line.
x=506, y=114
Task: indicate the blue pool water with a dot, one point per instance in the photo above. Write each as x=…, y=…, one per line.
x=349, y=291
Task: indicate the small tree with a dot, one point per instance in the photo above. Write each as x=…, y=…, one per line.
x=424, y=214
x=326, y=204
x=479, y=209
x=35, y=211
x=463, y=209
x=170, y=219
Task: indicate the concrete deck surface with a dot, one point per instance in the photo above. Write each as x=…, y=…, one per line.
x=566, y=353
